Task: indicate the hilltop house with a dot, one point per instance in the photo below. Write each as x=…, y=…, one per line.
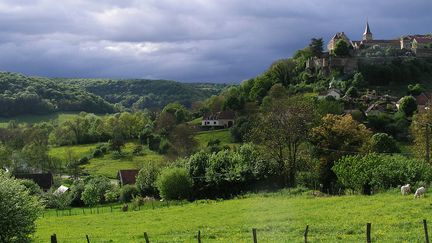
x=127, y=177
x=222, y=119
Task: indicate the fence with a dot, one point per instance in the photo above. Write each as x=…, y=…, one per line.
x=111, y=208
x=255, y=235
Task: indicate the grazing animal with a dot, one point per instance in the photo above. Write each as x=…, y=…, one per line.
x=405, y=189
x=419, y=192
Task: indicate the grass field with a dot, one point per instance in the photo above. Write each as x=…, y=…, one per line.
x=108, y=165
x=30, y=119
x=278, y=217
x=205, y=136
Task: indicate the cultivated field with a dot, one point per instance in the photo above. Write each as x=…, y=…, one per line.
x=278, y=217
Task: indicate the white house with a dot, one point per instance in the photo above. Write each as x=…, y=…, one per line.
x=335, y=93
x=219, y=119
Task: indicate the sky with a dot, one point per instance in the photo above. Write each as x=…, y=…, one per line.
x=223, y=41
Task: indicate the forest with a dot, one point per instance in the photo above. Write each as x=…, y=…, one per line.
x=23, y=95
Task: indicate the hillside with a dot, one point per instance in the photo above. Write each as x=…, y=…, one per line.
x=144, y=93
x=24, y=95
x=278, y=217
x=21, y=95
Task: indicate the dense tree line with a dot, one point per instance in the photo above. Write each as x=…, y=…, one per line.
x=140, y=94
x=20, y=94
x=32, y=95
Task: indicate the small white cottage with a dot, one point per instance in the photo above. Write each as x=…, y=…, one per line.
x=222, y=119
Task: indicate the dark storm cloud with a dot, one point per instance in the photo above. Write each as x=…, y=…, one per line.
x=196, y=40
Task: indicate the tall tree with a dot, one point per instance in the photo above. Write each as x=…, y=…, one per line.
x=281, y=130
x=316, y=46
x=336, y=136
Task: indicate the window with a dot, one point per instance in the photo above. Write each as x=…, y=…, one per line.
x=214, y=123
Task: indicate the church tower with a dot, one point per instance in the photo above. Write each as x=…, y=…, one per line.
x=367, y=35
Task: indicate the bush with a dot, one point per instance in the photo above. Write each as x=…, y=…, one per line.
x=363, y=173
x=97, y=153
x=18, y=210
x=138, y=150
x=31, y=186
x=174, y=183
x=76, y=190
x=164, y=147
x=408, y=105
x=95, y=189
x=128, y=192
x=383, y=143
x=146, y=178
x=112, y=195
x=57, y=200
x=83, y=160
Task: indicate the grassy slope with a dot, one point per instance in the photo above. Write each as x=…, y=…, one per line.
x=205, y=136
x=277, y=217
x=107, y=165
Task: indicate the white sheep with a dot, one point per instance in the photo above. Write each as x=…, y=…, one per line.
x=419, y=192
x=405, y=189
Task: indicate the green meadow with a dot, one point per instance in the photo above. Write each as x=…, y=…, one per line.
x=109, y=164
x=278, y=217
x=31, y=119
x=204, y=137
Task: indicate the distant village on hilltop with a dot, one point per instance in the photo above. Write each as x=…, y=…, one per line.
x=371, y=51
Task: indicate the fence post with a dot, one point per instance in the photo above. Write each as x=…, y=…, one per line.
x=306, y=233
x=146, y=237
x=53, y=238
x=426, y=231
x=368, y=233
x=88, y=239
x=254, y=235
x=199, y=236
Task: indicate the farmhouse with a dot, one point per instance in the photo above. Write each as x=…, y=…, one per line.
x=127, y=177
x=222, y=119
x=44, y=180
x=423, y=101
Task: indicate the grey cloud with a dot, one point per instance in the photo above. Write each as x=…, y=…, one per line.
x=196, y=40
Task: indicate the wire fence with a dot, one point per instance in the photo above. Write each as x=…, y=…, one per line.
x=197, y=237
x=152, y=204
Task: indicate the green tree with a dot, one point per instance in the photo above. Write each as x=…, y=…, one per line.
x=174, y=183
x=146, y=178
x=282, y=129
x=335, y=137
x=383, y=143
x=341, y=48
x=18, y=210
x=316, y=46
x=408, y=105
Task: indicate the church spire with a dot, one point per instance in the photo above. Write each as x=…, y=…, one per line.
x=367, y=35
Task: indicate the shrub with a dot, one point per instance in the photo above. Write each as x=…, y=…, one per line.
x=138, y=150
x=408, y=105
x=57, y=200
x=31, y=186
x=164, y=146
x=97, y=153
x=112, y=195
x=83, y=160
x=380, y=171
x=18, y=210
x=146, y=178
x=95, y=189
x=383, y=143
x=76, y=190
x=174, y=183
x=127, y=192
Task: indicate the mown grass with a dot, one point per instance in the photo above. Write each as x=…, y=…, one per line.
x=205, y=136
x=109, y=164
x=31, y=119
x=278, y=217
